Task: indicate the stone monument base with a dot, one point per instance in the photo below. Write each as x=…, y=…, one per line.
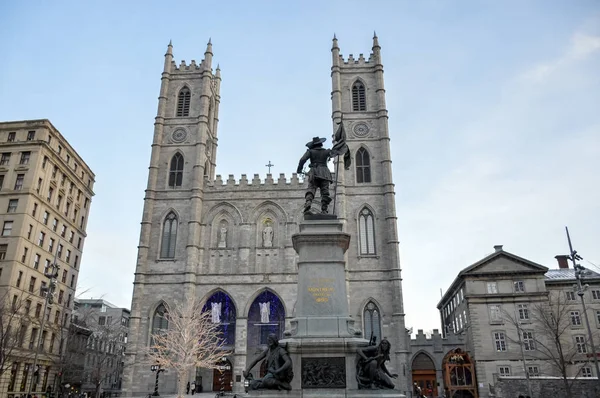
x=325, y=393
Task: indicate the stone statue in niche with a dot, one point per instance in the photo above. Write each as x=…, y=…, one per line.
x=223, y=235
x=267, y=234
x=265, y=309
x=279, y=368
x=370, y=368
x=216, y=312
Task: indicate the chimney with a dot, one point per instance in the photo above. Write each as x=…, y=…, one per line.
x=498, y=248
x=563, y=262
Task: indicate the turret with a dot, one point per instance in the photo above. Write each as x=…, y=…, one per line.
x=336, y=92
x=208, y=54
x=376, y=48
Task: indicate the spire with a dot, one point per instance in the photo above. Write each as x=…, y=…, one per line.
x=168, y=57
x=170, y=48
x=208, y=55
x=375, y=40
x=335, y=42
x=218, y=72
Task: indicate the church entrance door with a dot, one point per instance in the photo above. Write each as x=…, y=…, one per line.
x=427, y=381
x=222, y=377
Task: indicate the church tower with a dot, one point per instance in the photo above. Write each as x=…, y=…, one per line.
x=366, y=199
x=183, y=156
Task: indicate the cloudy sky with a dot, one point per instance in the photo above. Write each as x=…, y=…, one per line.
x=494, y=114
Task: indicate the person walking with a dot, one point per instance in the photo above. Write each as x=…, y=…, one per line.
x=193, y=387
x=187, y=388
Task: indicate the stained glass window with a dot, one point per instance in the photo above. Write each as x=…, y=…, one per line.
x=176, y=171
x=363, y=166
x=266, y=316
x=169, y=236
x=366, y=231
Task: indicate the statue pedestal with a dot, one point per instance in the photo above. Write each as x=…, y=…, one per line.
x=322, y=342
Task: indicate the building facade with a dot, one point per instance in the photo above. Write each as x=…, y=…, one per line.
x=105, y=347
x=46, y=190
x=506, y=309
x=228, y=242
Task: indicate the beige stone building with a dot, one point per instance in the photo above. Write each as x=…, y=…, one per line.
x=228, y=241
x=496, y=305
x=45, y=197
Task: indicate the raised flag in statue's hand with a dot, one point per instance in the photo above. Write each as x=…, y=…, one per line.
x=340, y=147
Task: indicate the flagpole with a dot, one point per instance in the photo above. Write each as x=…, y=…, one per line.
x=337, y=168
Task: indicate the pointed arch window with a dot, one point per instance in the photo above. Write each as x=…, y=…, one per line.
x=359, y=102
x=183, y=102
x=363, y=166
x=206, y=169
x=160, y=322
x=176, y=171
x=169, y=236
x=372, y=322
x=366, y=231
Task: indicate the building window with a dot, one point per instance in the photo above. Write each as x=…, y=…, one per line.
x=495, y=313
x=59, y=149
x=12, y=205
x=598, y=317
x=363, y=166
x=570, y=296
x=11, y=136
x=359, y=102
x=492, y=287
x=36, y=261
x=7, y=228
x=55, y=224
x=580, y=344
x=523, y=312
x=519, y=286
x=366, y=232
x=18, y=284
x=68, y=256
x=32, y=285
x=39, y=186
x=59, y=201
x=63, y=230
x=183, y=102
x=24, y=256
x=533, y=371
x=159, y=322
x=41, y=239
x=30, y=135
x=51, y=245
x=50, y=192
x=45, y=219
x=5, y=159
x=25, y=156
x=372, y=322
x=19, y=182
x=596, y=294
x=101, y=320
x=44, y=162
x=504, y=370
x=1, y=181
x=586, y=371
x=71, y=236
x=59, y=251
x=500, y=341
x=176, y=171
x=528, y=341
x=54, y=171
x=169, y=236
x=575, y=318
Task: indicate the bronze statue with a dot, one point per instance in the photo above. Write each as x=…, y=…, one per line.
x=370, y=369
x=279, y=368
x=319, y=175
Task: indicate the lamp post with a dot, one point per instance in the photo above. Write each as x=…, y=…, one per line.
x=52, y=274
x=580, y=289
x=157, y=369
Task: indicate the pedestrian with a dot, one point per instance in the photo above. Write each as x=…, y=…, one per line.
x=193, y=387
x=187, y=388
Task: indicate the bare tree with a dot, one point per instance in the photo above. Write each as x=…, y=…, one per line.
x=14, y=318
x=190, y=340
x=550, y=339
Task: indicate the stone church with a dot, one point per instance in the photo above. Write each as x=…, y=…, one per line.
x=228, y=242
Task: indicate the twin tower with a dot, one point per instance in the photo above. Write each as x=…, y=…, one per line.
x=229, y=242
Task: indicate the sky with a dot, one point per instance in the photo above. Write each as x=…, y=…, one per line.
x=494, y=115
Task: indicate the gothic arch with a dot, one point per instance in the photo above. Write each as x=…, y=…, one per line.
x=266, y=314
x=224, y=314
x=367, y=250
x=363, y=166
x=183, y=101
x=368, y=323
x=215, y=290
x=151, y=312
x=258, y=293
x=169, y=237
x=423, y=352
x=358, y=94
x=265, y=206
x=360, y=309
x=220, y=208
x=175, y=175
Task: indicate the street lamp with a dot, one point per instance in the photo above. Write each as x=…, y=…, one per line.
x=157, y=369
x=52, y=274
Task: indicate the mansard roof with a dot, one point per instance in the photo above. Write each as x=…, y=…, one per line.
x=568, y=275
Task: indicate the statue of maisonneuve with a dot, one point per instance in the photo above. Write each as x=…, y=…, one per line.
x=319, y=175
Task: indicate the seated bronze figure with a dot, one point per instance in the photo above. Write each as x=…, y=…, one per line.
x=279, y=368
x=370, y=369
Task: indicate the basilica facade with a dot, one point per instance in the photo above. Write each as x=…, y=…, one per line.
x=228, y=242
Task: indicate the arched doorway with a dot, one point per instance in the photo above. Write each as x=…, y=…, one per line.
x=223, y=376
x=459, y=375
x=223, y=312
x=266, y=316
x=424, y=374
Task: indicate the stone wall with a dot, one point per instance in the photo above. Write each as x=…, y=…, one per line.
x=546, y=387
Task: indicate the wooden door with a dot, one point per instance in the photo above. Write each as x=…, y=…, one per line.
x=222, y=377
x=426, y=379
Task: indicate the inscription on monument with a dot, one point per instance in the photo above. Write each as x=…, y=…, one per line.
x=324, y=372
x=321, y=289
